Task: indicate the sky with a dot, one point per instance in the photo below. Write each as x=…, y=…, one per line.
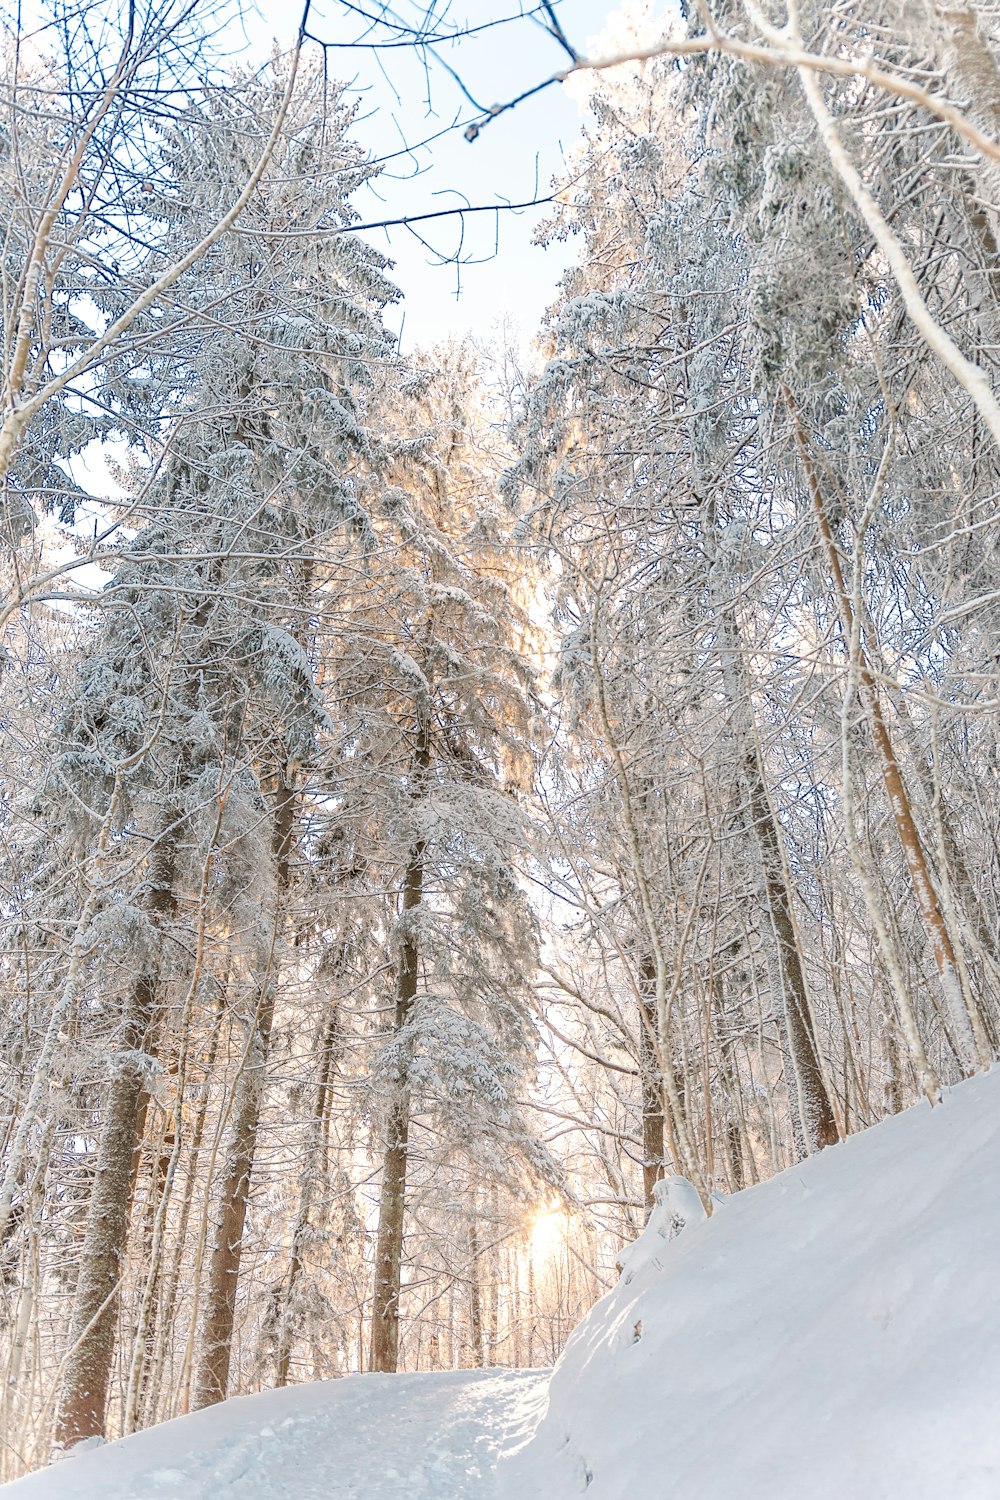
x=504, y=277
x=487, y=276
x=483, y=273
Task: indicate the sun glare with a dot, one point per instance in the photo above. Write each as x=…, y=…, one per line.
x=548, y=1228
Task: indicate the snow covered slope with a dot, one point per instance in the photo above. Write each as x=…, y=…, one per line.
x=832, y=1333
x=367, y=1437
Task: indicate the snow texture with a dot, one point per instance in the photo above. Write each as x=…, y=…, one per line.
x=366, y=1437
x=834, y=1332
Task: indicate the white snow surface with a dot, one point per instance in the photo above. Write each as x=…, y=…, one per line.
x=832, y=1333
x=366, y=1437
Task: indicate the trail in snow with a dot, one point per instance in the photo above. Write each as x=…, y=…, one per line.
x=833, y=1334
x=366, y=1437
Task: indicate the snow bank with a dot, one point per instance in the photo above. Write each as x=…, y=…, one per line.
x=367, y=1437
x=832, y=1333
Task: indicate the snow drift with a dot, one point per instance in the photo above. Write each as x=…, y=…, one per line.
x=366, y=1437
x=833, y=1332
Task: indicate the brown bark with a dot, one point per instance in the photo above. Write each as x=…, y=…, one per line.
x=893, y=1088
x=212, y=1383
x=475, y=1296
x=819, y=1125
x=384, y=1353
x=84, y=1395
x=286, y=1319
x=384, y=1350
x=733, y=1135
x=917, y=865
x=651, y=1086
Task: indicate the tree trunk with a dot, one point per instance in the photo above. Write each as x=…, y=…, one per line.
x=815, y=1111
x=212, y=1383
x=475, y=1295
x=384, y=1350
x=921, y=877
x=384, y=1353
x=84, y=1396
x=819, y=1125
x=286, y=1315
x=652, y=1088
x=733, y=1121
x=168, y=1301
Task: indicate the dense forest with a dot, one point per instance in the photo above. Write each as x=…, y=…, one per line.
x=444, y=793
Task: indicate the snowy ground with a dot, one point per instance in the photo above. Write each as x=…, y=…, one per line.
x=368, y=1437
x=832, y=1333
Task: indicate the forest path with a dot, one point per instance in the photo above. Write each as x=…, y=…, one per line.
x=366, y=1437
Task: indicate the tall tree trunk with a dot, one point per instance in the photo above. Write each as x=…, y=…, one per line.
x=495, y=1280
x=286, y=1314
x=918, y=867
x=168, y=1301
x=384, y=1353
x=733, y=1122
x=819, y=1125
x=676, y=1126
x=84, y=1396
x=814, y=1108
x=475, y=1295
x=384, y=1350
x=212, y=1382
x=651, y=1086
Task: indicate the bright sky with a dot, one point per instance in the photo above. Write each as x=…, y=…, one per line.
x=515, y=157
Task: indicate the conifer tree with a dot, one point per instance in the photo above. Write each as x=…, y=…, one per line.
x=255, y=472
x=438, y=710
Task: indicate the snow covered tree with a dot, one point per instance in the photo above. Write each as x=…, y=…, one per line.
x=296, y=1080
x=737, y=399
x=195, y=698
x=629, y=428
x=436, y=702
x=80, y=145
